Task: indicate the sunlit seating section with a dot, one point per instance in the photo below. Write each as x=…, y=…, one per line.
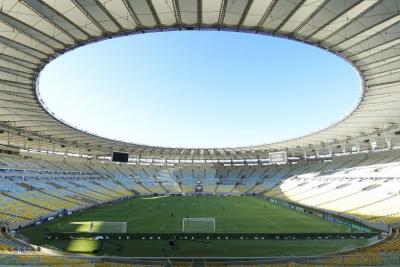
x=10, y=218
x=376, y=199
x=20, y=209
x=24, y=198
x=32, y=194
x=347, y=197
x=386, y=211
x=391, y=245
x=32, y=259
x=46, y=201
x=351, y=260
x=44, y=260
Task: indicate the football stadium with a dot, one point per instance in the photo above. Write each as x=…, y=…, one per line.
x=69, y=197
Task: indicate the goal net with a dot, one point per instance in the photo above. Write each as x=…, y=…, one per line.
x=198, y=225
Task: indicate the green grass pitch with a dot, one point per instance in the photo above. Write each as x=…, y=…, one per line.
x=164, y=215
x=232, y=214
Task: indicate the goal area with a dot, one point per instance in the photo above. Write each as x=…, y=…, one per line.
x=98, y=227
x=107, y=227
x=198, y=225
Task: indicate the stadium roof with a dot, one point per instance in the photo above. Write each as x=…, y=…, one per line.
x=364, y=32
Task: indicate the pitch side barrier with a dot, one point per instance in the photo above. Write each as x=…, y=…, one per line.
x=211, y=236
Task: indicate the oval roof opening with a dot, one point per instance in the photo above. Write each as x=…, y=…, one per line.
x=199, y=89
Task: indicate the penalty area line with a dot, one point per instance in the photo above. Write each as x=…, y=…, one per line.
x=273, y=224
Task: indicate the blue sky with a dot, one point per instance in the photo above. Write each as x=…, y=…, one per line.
x=199, y=89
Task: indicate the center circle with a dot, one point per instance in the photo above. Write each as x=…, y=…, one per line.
x=199, y=89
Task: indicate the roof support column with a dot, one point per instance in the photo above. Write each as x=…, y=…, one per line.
x=373, y=144
x=388, y=142
x=357, y=147
x=343, y=146
x=330, y=149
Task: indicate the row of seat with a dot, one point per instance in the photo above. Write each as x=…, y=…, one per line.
x=372, y=199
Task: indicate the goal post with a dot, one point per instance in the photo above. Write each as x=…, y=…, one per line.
x=198, y=225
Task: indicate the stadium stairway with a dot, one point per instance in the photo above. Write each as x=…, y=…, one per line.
x=252, y=187
x=116, y=194
x=83, y=197
x=93, y=193
x=180, y=186
x=234, y=188
x=146, y=190
x=126, y=188
x=99, y=188
x=59, y=197
x=96, y=171
x=216, y=188
x=163, y=187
